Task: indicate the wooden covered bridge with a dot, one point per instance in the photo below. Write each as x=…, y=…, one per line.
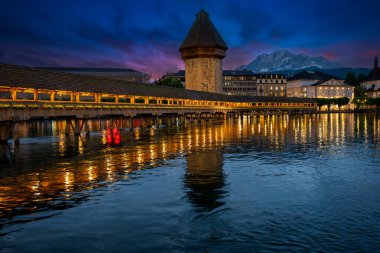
x=28, y=93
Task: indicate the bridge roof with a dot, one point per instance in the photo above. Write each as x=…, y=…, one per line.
x=107, y=70
x=27, y=77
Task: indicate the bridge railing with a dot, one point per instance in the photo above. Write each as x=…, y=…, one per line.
x=29, y=98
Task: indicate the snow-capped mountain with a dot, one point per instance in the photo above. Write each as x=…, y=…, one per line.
x=281, y=60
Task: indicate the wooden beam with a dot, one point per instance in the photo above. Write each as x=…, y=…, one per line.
x=52, y=94
x=14, y=94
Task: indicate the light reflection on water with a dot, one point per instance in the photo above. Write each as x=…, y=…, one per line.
x=263, y=183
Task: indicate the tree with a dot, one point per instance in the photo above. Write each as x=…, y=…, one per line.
x=359, y=97
x=373, y=101
x=329, y=103
x=341, y=101
x=361, y=78
x=172, y=82
x=351, y=79
x=321, y=102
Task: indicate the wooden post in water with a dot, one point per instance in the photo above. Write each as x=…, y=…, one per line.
x=68, y=124
x=15, y=134
x=130, y=122
x=86, y=125
x=166, y=120
x=4, y=132
x=77, y=128
x=156, y=122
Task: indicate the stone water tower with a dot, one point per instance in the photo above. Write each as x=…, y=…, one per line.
x=203, y=51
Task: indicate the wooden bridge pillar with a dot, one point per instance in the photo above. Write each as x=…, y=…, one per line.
x=130, y=123
x=241, y=118
x=122, y=122
x=87, y=128
x=188, y=118
x=15, y=134
x=168, y=120
x=156, y=122
x=68, y=126
x=179, y=120
x=77, y=128
x=193, y=117
x=86, y=125
x=5, y=130
x=206, y=118
x=176, y=121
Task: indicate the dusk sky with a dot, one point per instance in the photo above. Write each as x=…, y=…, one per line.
x=145, y=35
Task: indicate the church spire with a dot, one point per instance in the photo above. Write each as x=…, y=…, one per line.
x=376, y=63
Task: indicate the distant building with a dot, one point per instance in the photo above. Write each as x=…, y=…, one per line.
x=316, y=84
x=328, y=89
x=129, y=75
x=372, y=81
x=297, y=83
x=245, y=83
x=272, y=85
x=239, y=82
x=203, y=50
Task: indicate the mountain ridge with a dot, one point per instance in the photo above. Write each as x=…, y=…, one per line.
x=340, y=72
x=284, y=60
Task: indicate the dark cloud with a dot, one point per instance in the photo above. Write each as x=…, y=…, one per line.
x=252, y=22
x=146, y=34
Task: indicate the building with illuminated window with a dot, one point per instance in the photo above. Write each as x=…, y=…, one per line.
x=297, y=84
x=332, y=88
x=271, y=85
x=372, y=81
x=245, y=83
x=316, y=84
x=239, y=82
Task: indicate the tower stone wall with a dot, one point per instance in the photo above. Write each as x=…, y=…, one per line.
x=204, y=74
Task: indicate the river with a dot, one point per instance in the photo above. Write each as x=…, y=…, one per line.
x=306, y=183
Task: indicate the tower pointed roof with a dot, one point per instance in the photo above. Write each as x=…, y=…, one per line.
x=203, y=34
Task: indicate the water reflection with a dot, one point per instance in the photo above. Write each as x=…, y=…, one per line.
x=55, y=171
x=204, y=179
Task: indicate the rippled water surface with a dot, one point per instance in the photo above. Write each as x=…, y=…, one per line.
x=284, y=184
